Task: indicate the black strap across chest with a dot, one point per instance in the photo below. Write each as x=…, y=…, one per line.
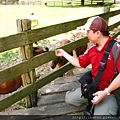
x=103, y=61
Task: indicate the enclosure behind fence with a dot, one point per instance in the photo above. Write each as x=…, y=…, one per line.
x=25, y=39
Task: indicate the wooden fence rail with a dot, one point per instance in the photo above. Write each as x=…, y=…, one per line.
x=30, y=36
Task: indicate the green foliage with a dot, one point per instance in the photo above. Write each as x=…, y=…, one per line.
x=21, y=102
x=110, y=5
x=8, y=56
x=43, y=42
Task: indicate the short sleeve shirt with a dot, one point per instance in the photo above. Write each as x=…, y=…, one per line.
x=93, y=56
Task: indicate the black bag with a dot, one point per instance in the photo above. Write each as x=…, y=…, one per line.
x=87, y=86
x=87, y=90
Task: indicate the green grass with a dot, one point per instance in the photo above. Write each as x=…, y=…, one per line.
x=46, y=16
x=8, y=56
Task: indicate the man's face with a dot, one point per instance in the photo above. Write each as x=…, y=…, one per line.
x=92, y=36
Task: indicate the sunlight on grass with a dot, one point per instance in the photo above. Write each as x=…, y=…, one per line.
x=46, y=15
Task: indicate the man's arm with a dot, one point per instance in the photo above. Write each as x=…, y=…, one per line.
x=61, y=53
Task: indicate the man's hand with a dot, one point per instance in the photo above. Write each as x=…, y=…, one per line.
x=60, y=52
x=100, y=96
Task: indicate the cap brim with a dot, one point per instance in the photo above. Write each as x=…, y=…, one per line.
x=86, y=27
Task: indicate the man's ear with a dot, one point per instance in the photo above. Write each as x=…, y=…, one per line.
x=98, y=33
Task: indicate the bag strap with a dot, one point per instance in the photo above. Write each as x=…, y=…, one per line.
x=103, y=61
x=115, y=53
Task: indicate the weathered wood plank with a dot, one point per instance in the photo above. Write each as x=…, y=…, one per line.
x=20, y=69
x=12, y=41
x=31, y=36
x=13, y=71
x=28, y=37
x=113, y=13
x=41, y=117
x=114, y=26
x=46, y=100
x=26, y=52
x=51, y=99
x=78, y=72
x=106, y=16
x=36, y=61
x=60, y=87
x=55, y=109
x=117, y=33
x=42, y=33
x=23, y=92
x=65, y=79
x=64, y=84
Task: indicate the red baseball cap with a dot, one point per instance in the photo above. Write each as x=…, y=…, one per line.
x=96, y=23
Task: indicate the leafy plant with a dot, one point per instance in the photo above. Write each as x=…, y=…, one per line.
x=8, y=56
x=43, y=42
x=21, y=102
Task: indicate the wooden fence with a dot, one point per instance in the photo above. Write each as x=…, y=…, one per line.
x=68, y=2
x=25, y=39
x=77, y=2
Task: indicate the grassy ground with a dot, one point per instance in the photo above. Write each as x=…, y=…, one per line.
x=46, y=15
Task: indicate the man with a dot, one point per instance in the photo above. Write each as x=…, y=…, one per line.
x=97, y=33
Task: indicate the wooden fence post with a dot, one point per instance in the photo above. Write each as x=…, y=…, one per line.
x=82, y=2
x=26, y=52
